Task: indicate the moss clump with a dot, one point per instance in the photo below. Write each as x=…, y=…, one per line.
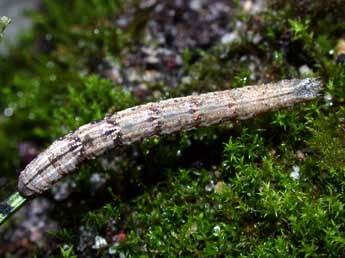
x=4, y=21
x=268, y=187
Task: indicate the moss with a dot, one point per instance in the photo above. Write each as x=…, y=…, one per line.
x=260, y=212
x=4, y=21
x=221, y=191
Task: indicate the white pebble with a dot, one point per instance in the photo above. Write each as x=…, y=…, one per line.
x=305, y=70
x=230, y=37
x=195, y=5
x=100, y=242
x=295, y=172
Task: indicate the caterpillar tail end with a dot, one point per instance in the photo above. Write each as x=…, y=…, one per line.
x=24, y=190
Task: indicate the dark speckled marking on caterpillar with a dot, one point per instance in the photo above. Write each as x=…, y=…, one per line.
x=154, y=119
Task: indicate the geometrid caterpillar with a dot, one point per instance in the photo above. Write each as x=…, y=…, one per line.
x=154, y=119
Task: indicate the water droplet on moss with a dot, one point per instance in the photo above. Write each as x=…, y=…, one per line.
x=328, y=98
x=8, y=112
x=216, y=230
x=31, y=116
x=209, y=188
x=50, y=64
x=52, y=77
x=20, y=94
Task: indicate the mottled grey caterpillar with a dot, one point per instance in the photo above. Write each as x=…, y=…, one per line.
x=154, y=119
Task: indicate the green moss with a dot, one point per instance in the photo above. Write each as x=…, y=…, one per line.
x=56, y=76
x=4, y=21
x=258, y=212
x=327, y=141
x=67, y=252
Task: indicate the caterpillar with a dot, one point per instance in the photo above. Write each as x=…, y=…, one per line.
x=154, y=119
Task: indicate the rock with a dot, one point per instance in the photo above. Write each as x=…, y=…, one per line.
x=230, y=38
